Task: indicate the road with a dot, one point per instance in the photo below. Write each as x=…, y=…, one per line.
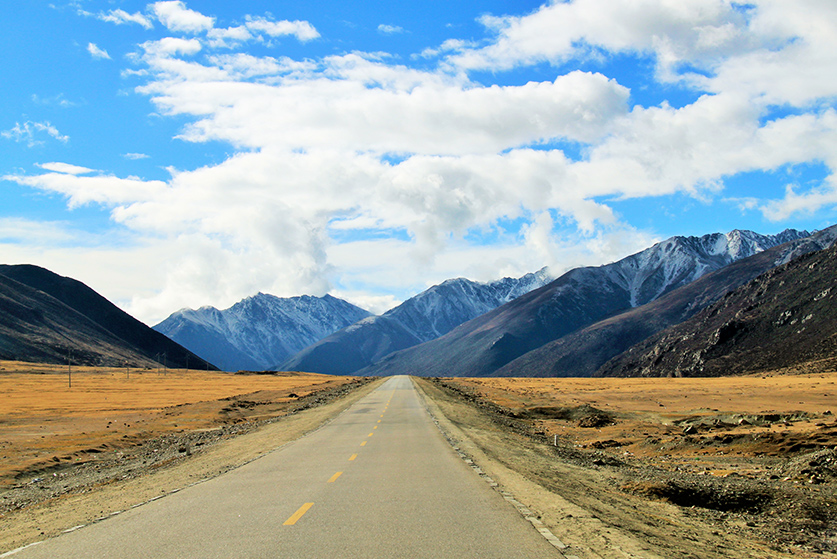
x=377, y=481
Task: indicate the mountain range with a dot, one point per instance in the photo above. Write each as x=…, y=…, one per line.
x=49, y=318
x=428, y=315
x=260, y=331
x=707, y=305
x=783, y=318
x=498, y=341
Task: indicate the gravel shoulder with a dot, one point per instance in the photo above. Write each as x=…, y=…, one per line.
x=604, y=506
x=66, y=497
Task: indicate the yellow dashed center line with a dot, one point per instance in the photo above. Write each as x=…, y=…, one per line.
x=363, y=443
x=334, y=477
x=298, y=514
x=370, y=434
x=353, y=456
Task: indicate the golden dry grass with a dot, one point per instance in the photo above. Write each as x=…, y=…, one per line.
x=670, y=396
x=651, y=414
x=43, y=419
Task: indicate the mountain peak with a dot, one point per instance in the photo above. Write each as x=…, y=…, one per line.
x=583, y=297
x=261, y=330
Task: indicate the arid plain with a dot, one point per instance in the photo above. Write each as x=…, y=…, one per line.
x=740, y=466
x=744, y=466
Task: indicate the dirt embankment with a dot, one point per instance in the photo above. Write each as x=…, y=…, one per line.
x=743, y=467
x=72, y=458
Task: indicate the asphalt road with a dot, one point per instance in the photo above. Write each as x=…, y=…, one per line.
x=378, y=481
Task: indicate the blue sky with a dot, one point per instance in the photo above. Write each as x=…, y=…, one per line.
x=173, y=154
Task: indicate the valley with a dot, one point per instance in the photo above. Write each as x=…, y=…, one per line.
x=601, y=403
x=742, y=466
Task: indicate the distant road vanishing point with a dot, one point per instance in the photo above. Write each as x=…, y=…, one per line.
x=377, y=481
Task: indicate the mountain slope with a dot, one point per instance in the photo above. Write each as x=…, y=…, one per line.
x=583, y=352
x=782, y=318
x=428, y=315
x=44, y=317
x=260, y=331
x=577, y=299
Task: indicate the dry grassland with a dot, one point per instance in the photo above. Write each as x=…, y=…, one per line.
x=46, y=423
x=678, y=422
x=743, y=466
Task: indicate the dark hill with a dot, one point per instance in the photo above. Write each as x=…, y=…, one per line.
x=583, y=352
x=43, y=315
x=783, y=318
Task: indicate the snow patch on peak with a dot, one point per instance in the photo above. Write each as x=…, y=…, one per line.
x=680, y=260
x=441, y=308
x=259, y=331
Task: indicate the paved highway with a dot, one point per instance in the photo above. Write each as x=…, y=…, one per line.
x=378, y=481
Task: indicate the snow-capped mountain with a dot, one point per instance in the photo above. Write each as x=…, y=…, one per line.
x=577, y=299
x=260, y=331
x=425, y=317
x=681, y=260
x=441, y=308
x=782, y=318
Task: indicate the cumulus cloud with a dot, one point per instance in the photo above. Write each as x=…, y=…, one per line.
x=97, y=52
x=441, y=118
x=356, y=173
x=170, y=46
x=175, y=16
x=229, y=37
x=673, y=31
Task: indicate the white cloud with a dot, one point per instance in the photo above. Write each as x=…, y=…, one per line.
x=228, y=38
x=795, y=203
x=171, y=46
x=66, y=168
x=30, y=131
x=358, y=172
x=101, y=189
x=390, y=29
x=175, y=16
x=135, y=156
x=672, y=29
x=97, y=52
x=433, y=116
x=302, y=30
x=450, y=45
x=120, y=17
